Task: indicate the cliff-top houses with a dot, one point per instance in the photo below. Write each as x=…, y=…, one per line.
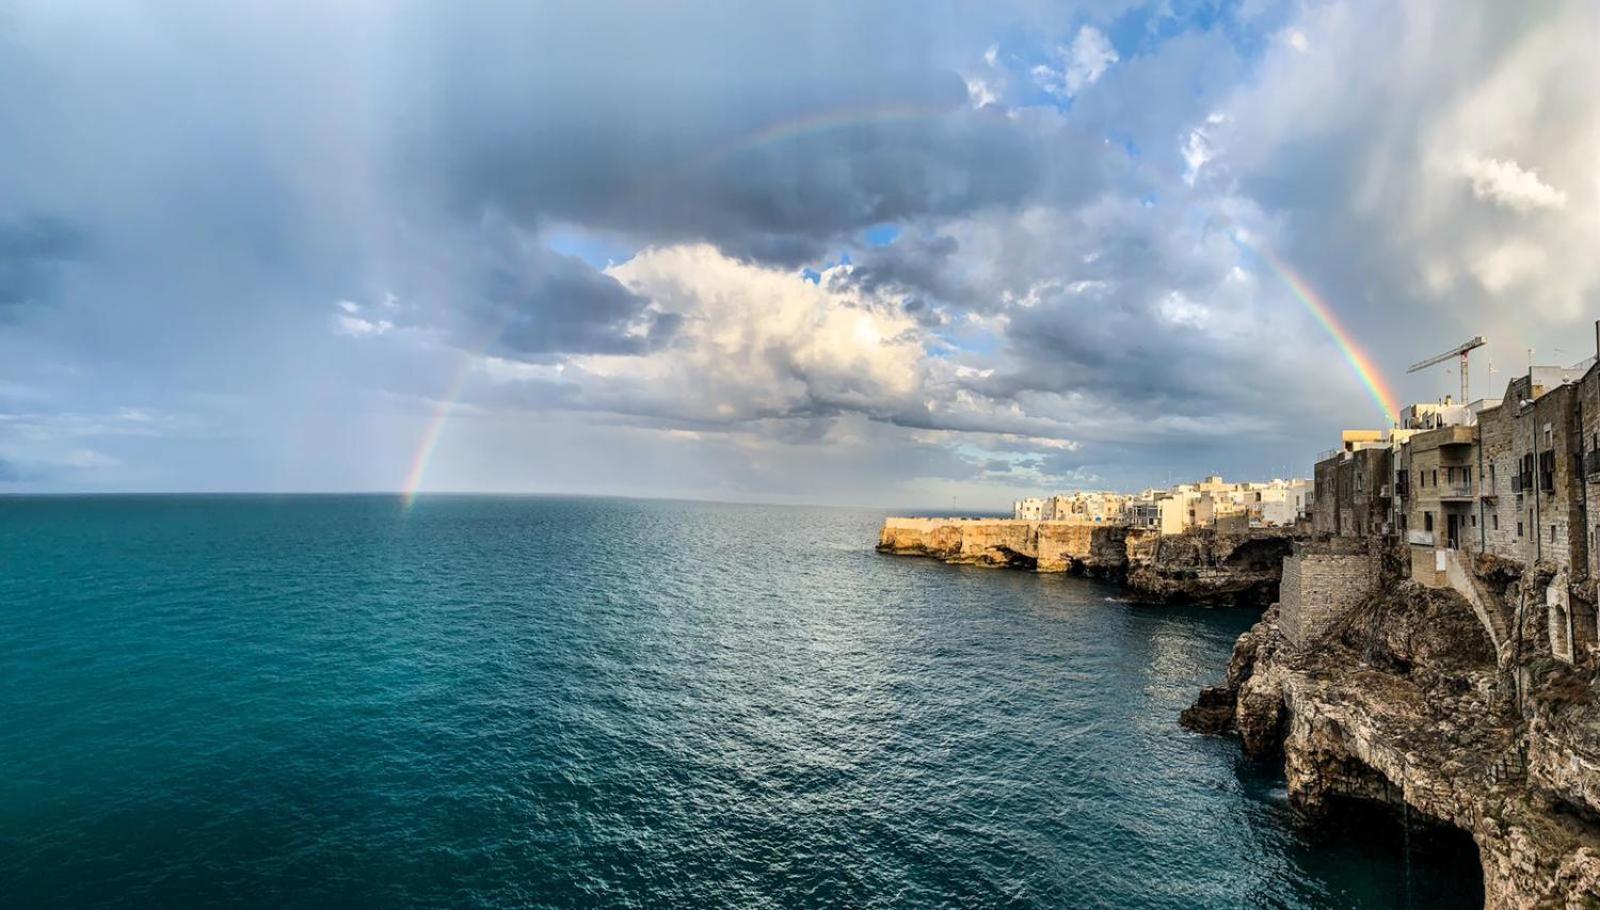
x=1210, y=503
x=1511, y=478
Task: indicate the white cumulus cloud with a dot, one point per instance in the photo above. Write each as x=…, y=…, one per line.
x=1504, y=182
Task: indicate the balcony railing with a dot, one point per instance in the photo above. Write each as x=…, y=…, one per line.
x=1459, y=489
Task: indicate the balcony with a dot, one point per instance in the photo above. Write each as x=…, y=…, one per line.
x=1459, y=489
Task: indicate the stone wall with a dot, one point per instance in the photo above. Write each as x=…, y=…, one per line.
x=1588, y=430
x=1498, y=452
x=1319, y=588
x=1425, y=566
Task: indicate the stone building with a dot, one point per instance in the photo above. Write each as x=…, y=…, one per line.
x=1089, y=507
x=1353, y=493
x=1511, y=478
x=1441, y=504
x=1532, y=498
x=1160, y=512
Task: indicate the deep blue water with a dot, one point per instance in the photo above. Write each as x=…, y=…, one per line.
x=313, y=701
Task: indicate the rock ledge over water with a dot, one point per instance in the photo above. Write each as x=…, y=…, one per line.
x=1403, y=704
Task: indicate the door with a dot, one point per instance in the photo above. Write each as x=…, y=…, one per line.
x=1452, y=529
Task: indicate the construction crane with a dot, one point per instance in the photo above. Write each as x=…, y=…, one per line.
x=1461, y=350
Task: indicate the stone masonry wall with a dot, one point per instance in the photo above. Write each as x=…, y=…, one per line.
x=1588, y=430
x=1319, y=588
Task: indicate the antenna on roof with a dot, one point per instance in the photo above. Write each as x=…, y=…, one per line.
x=1461, y=350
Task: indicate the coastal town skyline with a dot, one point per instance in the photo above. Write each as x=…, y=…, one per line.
x=910, y=256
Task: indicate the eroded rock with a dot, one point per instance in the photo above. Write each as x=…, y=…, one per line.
x=1403, y=704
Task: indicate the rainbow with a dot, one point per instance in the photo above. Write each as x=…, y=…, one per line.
x=776, y=132
x=1358, y=359
x=821, y=122
x=430, y=436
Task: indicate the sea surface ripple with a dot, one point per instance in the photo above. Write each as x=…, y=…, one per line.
x=315, y=701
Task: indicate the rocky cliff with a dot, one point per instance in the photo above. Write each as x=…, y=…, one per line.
x=1403, y=704
x=1200, y=565
x=1233, y=569
x=1041, y=546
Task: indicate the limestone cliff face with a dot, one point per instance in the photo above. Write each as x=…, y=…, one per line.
x=1201, y=565
x=1043, y=546
x=1234, y=569
x=1403, y=704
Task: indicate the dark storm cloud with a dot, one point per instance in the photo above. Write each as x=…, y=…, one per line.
x=767, y=187
x=538, y=302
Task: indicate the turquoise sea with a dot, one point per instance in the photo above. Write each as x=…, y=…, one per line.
x=311, y=701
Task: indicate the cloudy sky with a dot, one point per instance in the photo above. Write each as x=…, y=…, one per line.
x=898, y=253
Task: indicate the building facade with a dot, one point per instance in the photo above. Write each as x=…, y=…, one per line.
x=1512, y=478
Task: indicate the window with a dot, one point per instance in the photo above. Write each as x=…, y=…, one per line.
x=1491, y=473
x=1519, y=529
x=1427, y=521
x=1552, y=532
x=1474, y=519
x=1494, y=521
x=1466, y=474
x=1435, y=477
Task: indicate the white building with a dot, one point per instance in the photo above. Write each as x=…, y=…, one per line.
x=1028, y=509
x=1275, y=503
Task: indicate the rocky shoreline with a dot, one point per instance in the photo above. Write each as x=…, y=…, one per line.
x=1406, y=703
x=1202, y=566
x=1453, y=712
